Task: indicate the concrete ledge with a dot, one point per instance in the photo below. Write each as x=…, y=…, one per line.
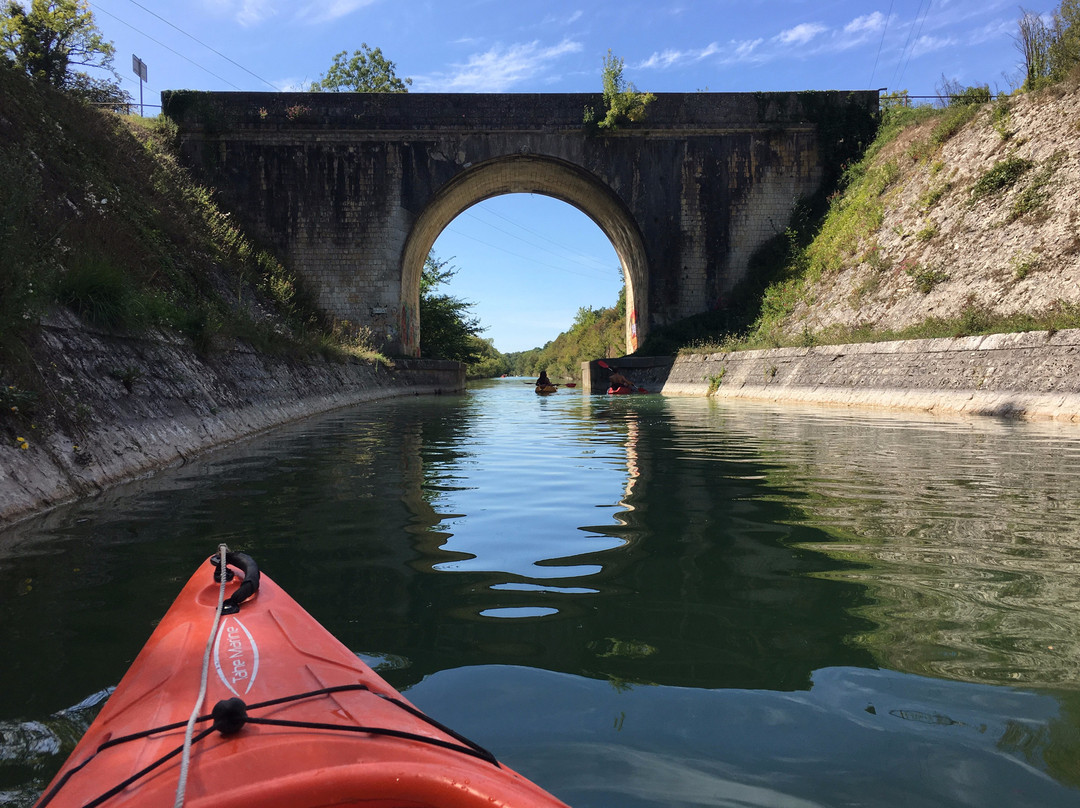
x=1026, y=375
x=1014, y=405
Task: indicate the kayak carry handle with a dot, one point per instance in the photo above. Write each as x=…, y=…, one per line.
x=248, y=587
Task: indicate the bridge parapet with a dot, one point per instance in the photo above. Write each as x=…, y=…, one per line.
x=197, y=111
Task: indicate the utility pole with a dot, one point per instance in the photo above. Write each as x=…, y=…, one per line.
x=138, y=67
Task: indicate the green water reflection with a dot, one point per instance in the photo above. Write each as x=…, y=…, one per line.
x=635, y=600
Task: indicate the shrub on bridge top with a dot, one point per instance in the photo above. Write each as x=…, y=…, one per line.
x=624, y=103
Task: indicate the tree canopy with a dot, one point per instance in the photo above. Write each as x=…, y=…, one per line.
x=491, y=363
x=1050, y=50
x=1065, y=48
x=366, y=71
x=446, y=329
x=51, y=38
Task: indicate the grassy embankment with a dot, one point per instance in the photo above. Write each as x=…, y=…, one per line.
x=97, y=216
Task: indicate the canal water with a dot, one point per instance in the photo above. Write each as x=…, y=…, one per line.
x=633, y=600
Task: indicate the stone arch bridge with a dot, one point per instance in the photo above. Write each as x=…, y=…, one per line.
x=352, y=189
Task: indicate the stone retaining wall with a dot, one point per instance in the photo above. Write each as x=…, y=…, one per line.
x=138, y=405
x=1029, y=375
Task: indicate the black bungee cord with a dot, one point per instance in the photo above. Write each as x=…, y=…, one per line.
x=230, y=715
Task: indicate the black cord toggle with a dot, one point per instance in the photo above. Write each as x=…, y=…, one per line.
x=229, y=715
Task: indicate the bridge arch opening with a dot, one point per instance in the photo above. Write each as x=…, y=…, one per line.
x=526, y=174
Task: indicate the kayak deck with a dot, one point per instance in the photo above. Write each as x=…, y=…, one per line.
x=301, y=721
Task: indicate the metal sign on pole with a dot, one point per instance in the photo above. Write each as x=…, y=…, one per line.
x=138, y=67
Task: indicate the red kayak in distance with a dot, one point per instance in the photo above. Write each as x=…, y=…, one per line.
x=624, y=391
x=291, y=719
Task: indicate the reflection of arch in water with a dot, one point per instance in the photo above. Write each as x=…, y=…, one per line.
x=633, y=470
x=527, y=174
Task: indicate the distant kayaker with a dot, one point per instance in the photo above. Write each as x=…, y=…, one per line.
x=543, y=381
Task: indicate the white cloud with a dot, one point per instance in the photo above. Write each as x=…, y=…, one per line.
x=711, y=49
x=662, y=60
x=247, y=12
x=292, y=85
x=997, y=30
x=745, y=49
x=559, y=20
x=315, y=13
x=498, y=69
x=253, y=12
x=929, y=44
x=867, y=24
x=734, y=52
x=804, y=41
x=800, y=34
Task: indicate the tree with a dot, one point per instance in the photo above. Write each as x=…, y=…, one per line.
x=102, y=93
x=1050, y=51
x=54, y=35
x=1034, y=40
x=491, y=363
x=446, y=330
x=1065, y=45
x=595, y=333
x=367, y=71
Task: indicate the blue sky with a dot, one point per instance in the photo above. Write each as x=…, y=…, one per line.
x=527, y=262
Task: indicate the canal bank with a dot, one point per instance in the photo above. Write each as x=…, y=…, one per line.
x=137, y=405
x=134, y=405
x=1032, y=375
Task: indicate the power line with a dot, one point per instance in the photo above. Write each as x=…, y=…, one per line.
x=525, y=257
x=219, y=53
x=166, y=47
x=595, y=265
x=916, y=42
x=520, y=226
x=544, y=237
x=903, y=50
x=884, y=30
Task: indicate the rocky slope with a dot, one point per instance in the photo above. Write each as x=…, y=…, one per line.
x=988, y=222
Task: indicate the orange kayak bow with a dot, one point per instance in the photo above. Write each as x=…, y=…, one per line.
x=292, y=718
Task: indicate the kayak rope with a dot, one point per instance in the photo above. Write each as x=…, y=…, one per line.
x=230, y=715
x=189, y=733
